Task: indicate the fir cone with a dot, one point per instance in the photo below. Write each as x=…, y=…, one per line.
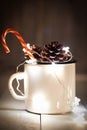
x=54, y=52
x=36, y=50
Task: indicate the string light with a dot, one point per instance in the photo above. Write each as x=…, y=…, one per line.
x=66, y=49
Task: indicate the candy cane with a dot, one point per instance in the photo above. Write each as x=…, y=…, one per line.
x=19, y=37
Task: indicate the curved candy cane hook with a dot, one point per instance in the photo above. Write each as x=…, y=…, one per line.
x=19, y=37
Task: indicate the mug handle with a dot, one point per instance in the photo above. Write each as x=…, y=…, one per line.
x=18, y=76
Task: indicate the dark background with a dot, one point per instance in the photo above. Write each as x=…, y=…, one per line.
x=43, y=21
x=40, y=22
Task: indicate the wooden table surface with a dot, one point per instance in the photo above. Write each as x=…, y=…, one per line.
x=13, y=116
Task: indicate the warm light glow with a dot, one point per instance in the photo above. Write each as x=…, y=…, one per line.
x=28, y=45
x=31, y=61
x=54, y=69
x=66, y=49
x=39, y=102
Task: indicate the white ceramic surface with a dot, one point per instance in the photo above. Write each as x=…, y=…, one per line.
x=48, y=88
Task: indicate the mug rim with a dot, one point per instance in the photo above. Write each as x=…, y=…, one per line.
x=48, y=63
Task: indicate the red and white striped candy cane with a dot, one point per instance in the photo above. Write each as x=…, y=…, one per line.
x=19, y=37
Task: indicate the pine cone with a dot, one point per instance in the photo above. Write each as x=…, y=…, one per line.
x=36, y=50
x=54, y=52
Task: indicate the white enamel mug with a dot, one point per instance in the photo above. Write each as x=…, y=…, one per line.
x=48, y=88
